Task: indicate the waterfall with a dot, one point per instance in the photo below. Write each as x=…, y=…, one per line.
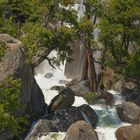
x=53, y=136
x=81, y=9
x=85, y=117
x=45, y=83
x=74, y=69
x=108, y=118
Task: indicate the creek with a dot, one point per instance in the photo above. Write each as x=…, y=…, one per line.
x=108, y=118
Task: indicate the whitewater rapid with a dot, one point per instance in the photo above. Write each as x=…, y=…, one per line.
x=108, y=118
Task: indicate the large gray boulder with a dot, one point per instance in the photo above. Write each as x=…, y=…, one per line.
x=107, y=96
x=81, y=131
x=80, y=87
x=63, y=100
x=58, y=121
x=89, y=114
x=61, y=120
x=48, y=75
x=13, y=64
x=131, y=92
x=31, y=94
x=13, y=58
x=131, y=132
x=129, y=112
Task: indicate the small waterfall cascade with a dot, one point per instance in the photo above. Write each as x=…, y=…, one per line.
x=46, y=83
x=108, y=118
x=81, y=9
x=85, y=118
x=74, y=69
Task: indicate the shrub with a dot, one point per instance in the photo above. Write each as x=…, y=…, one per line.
x=90, y=97
x=9, y=107
x=132, y=67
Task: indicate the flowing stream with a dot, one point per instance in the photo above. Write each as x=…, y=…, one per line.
x=108, y=118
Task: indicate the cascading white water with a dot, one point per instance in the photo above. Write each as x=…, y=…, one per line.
x=44, y=83
x=74, y=69
x=108, y=118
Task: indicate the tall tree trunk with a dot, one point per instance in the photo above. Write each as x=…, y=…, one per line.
x=89, y=71
x=85, y=67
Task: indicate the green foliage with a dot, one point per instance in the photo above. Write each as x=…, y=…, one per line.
x=119, y=31
x=93, y=7
x=42, y=29
x=90, y=97
x=13, y=14
x=132, y=67
x=3, y=48
x=9, y=107
x=32, y=39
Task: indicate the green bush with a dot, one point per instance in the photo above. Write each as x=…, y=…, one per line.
x=9, y=107
x=132, y=67
x=90, y=97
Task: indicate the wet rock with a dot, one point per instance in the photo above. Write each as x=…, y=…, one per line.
x=80, y=88
x=137, y=101
x=131, y=132
x=131, y=92
x=118, y=86
x=129, y=86
x=81, y=131
x=58, y=88
x=42, y=127
x=63, y=82
x=64, y=118
x=64, y=100
x=89, y=114
x=31, y=94
x=48, y=75
x=107, y=96
x=58, y=121
x=129, y=112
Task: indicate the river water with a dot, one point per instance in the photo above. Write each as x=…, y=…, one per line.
x=108, y=118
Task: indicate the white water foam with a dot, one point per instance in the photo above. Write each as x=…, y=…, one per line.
x=53, y=136
x=45, y=83
x=107, y=133
x=108, y=119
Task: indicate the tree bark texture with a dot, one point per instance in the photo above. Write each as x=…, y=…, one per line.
x=89, y=70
